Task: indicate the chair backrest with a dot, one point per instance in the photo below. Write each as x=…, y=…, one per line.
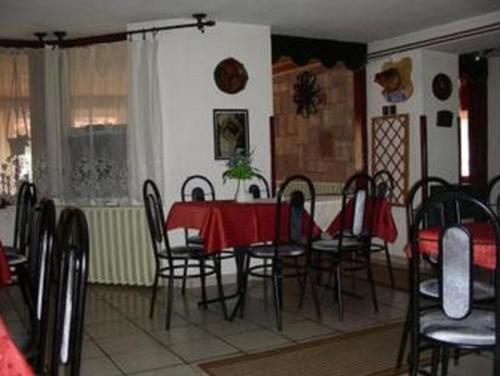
x=41, y=250
x=455, y=252
x=426, y=188
x=71, y=283
x=384, y=185
x=259, y=187
x=156, y=220
x=197, y=188
x=358, y=191
x=25, y=204
x=290, y=211
x=493, y=190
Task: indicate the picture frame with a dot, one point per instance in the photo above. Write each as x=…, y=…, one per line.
x=230, y=132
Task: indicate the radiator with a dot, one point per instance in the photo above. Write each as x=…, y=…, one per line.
x=120, y=246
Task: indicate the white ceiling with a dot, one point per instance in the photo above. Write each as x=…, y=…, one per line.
x=348, y=20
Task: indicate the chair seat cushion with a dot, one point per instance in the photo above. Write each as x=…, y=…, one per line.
x=482, y=291
x=14, y=259
x=285, y=250
x=477, y=329
x=194, y=239
x=332, y=245
x=184, y=252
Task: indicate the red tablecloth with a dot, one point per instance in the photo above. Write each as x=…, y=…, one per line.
x=484, y=243
x=12, y=362
x=4, y=268
x=383, y=225
x=225, y=224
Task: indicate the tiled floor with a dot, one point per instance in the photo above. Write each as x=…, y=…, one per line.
x=120, y=339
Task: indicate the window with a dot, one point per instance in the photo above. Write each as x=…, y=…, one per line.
x=464, y=145
x=15, y=142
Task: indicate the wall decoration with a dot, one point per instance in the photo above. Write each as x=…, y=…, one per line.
x=307, y=94
x=230, y=76
x=230, y=132
x=444, y=118
x=395, y=79
x=390, y=150
x=442, y=86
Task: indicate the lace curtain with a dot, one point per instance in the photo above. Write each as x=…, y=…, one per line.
x=15, y=123
x=87, y=136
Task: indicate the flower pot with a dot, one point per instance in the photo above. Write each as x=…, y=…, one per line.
x=242, y=194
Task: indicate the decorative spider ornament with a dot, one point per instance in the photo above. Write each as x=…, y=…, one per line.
x=307, y=94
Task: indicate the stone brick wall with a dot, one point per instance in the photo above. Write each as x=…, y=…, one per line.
x=321, y=146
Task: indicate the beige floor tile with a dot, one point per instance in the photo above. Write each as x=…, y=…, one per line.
x=145, y=360
x=258, y=339
x=112, y=329
x=99, y=367
x=302, y=330
x=90, y=350
x=181, y=335
x=180, y=370
x=127, y=344
x=203, y=349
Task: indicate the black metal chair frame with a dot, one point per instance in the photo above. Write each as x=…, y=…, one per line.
x=277, y=259
x=41, y=251
x=456, y=198
x=491, y=186
x=422, y=186
x=18, y=253
x=165, y=256
x=256, y=190
x=384, y=186
x=357, y=254
x=71, y=260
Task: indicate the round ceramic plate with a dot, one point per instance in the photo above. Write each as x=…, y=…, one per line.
x=442, y=86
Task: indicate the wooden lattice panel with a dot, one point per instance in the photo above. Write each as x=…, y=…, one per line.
x=390, y=151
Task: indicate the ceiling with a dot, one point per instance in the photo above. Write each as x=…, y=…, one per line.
x=347, y=20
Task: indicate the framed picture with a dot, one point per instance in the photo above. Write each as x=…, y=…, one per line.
x=230, y=132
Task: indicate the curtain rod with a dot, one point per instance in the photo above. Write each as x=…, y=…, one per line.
x=104, y=38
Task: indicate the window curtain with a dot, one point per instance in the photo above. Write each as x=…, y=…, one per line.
x=145, y=137
x=15, y=122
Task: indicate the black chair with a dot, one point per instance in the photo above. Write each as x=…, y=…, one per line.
x=18, y=253
x=493, y=191
x=292, y=243
x=384, y=188
x=167, y=257
x=41, y=251
x=352, y=243
x=457, y=320
x=71, y=261
x=259, y=188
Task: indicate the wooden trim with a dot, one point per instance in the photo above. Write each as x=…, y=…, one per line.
x=272, y=136
x=360, y=123
x=19, y=43
x=463, y=34
x=424, y=167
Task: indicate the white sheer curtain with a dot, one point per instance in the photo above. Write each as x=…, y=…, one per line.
x=15, y=122
x=145, y=137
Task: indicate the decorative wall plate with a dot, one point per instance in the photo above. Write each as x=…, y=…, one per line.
x=230, y=76
x=442, y=86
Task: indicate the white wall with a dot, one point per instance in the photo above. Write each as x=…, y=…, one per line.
x=493, y=117
x=187, y=59
x=442, y=142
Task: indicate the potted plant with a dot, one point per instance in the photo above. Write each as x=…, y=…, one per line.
x=239, y=168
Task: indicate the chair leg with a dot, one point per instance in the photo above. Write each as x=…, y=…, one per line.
x=245, y=284
x=445, y=361
x=220, y=287
x=277, y=280
x=153, y=296
x=436, y=352
x=184, y=277
x=311, y=269
x=203, y=283
x=370, y=279
x=265, y=279
x=404, y=338
x=24, y=286
x=338, y=278
x=170, y=298
x=300, y=279
x=415, y=356
x=389, y=265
